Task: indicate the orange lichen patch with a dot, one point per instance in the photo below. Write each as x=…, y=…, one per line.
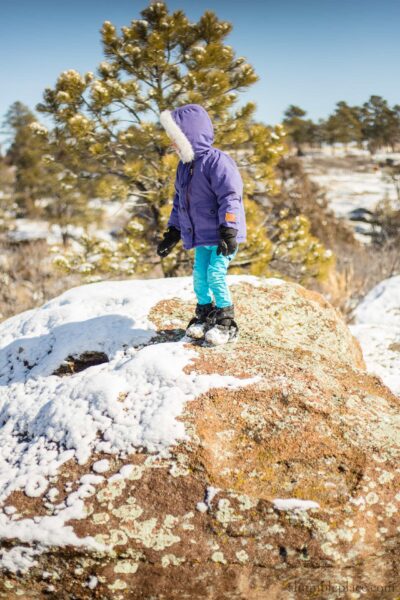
x=26, y=506
x=208, y=363
x=358, y=355
x=246, y=447
x=175, y=309
x=313, y=296
x=365, y=385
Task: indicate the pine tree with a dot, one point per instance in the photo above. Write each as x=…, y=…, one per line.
x=8, y=208
x=301, y=131
x=24, y=154
x=344, y=125
x=42, y=188
x=298, y=253
x=45, y=187
x=380, y=123
x=109, y=121
x=66, y=200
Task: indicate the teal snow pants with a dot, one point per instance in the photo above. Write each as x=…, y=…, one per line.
x=209, y=276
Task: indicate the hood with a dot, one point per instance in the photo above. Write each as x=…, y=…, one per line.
x=190, y=128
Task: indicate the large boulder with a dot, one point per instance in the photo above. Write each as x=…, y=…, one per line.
x=135, y=465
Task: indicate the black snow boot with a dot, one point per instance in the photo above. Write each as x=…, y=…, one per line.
x=221, y=326
x=197, y=325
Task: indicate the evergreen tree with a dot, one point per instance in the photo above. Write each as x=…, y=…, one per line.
x=7, y=205
x=344, y=125
x=66, y=200
x=301, y=131
x=380, y=123
x=298, y=253
x=44, y=186
x=109, y=121
x=391, y=173
x=24, y=154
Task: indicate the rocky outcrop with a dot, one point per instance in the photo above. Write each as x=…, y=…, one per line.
x=285, y=486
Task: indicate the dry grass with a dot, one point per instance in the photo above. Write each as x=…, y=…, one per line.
x=27, y=277
x=356, y=273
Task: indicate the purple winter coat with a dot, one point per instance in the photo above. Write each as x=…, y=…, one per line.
x=208, y=185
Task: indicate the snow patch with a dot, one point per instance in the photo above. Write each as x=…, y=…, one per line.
x=92, y=583
x=18, y=559
x=377, y=328
x=48, y=530
x=211, y=492
x=101, y=466
x=294, y=504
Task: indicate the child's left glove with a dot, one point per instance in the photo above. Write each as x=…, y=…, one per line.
x=228, y=243
x=170, y=239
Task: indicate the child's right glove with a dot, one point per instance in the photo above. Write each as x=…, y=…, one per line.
x=228, y=243
x=170, y=239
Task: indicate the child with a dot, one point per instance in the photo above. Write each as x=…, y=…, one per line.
x=208, y=215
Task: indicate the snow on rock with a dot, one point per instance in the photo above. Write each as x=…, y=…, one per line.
x=294, y=504
x=211, y=492
x=313, y=425
x=91, y=479
x=101, y=466
x=48, y=530
x=129, y=402
x=377, y=327
x=10, y=510
x=92, y=583
x=18, y=559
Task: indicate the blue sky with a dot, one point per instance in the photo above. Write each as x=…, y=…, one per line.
x=307, y=52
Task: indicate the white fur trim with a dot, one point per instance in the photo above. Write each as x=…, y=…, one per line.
x=176, y=134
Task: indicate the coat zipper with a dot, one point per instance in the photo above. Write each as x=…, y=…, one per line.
x=187, y=195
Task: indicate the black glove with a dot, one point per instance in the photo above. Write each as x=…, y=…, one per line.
x=228, y=243
x=170, y=239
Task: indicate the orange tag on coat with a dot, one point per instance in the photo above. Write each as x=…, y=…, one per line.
x=230, y=217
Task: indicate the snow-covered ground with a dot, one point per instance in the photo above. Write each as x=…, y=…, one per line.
x=347, y=189
x=352, y=179
x=29, y=230
x=377, y=327
x=129, y=402
x=116, y=214
x=340, y=150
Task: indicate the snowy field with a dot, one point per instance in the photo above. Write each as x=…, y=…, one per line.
x=115, y=215
x=377, y=327
x=347, y=190
x=352, y=179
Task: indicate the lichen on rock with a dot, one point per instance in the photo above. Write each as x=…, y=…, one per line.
x=312, y=429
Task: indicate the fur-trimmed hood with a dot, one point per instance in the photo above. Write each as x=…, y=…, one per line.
x=190, y=128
